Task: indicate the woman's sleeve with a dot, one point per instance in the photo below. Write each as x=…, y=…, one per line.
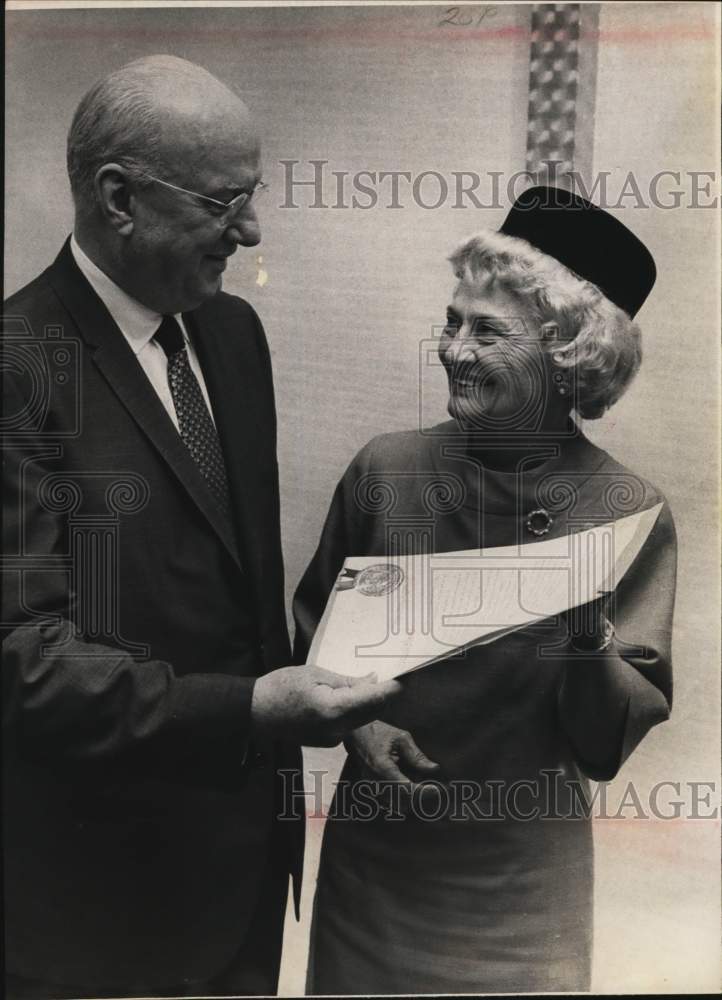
x=608, y=702
x=341, y=537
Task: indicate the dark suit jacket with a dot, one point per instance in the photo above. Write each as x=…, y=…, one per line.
x=137, y=812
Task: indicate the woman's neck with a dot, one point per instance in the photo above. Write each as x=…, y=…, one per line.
x=508, y=455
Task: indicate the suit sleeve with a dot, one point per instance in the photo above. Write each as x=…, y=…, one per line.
x=69, y=703
x=608, y=702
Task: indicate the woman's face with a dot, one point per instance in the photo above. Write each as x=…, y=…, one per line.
x=496, y=361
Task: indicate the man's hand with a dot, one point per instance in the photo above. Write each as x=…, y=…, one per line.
x=390, y=754
x=316, y=707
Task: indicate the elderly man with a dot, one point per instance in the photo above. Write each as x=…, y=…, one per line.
x=147, y=711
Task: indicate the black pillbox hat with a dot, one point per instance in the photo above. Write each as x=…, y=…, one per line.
x=587, y=240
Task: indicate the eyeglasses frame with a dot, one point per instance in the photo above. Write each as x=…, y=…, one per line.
x=229, y=208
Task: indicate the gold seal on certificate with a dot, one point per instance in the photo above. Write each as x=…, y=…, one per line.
x=373, y=581
x=379, y=579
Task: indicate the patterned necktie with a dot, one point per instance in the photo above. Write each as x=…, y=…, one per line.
x=196, y=426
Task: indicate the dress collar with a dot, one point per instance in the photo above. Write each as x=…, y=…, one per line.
x=570, y=459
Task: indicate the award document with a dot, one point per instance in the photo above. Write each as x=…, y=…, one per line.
x=404, y=612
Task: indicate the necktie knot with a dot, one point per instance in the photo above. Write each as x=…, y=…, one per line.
x=170, y=336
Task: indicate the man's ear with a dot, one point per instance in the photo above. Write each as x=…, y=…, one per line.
x=113, y=191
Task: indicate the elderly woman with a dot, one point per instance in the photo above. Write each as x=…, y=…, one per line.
x=494, y=893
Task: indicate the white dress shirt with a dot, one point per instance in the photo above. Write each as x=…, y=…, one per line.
x=138, y=324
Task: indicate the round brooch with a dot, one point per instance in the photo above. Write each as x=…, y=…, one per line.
x=539, y=521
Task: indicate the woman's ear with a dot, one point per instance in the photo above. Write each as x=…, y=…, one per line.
x=113, y=193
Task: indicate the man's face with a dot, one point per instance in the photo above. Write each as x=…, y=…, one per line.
x=179, y=246
x=497, y=368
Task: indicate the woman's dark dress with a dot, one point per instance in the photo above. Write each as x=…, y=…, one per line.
x=482, y=904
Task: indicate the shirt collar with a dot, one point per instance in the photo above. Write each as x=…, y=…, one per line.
x=137, y=322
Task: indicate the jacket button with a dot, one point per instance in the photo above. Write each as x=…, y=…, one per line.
x=259, y=759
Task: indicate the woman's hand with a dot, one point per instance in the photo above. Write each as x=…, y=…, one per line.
x=389, y=754
x=589, y=629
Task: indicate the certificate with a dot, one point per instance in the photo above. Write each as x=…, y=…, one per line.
x=398, y=614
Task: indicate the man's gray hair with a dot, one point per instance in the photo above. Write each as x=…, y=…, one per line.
x=118, y=121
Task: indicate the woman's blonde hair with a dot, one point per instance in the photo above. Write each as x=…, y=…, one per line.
x=597, y=341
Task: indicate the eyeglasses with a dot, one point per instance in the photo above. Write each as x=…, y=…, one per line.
x=223, y=211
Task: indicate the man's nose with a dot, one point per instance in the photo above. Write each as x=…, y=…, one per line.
x=245, y=230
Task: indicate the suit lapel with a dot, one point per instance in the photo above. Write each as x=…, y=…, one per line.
x=119, y=366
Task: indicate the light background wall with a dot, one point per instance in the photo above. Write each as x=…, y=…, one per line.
x=350, y=293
